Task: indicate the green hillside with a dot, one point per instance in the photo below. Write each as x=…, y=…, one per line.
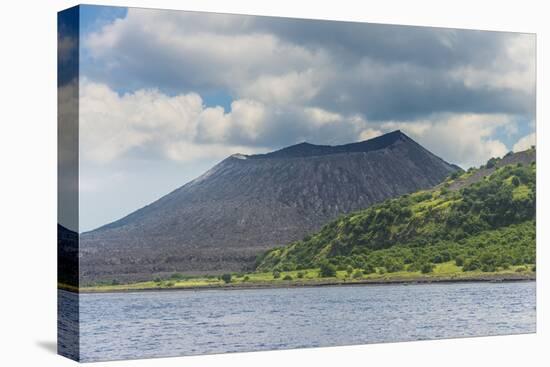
x=486, y=225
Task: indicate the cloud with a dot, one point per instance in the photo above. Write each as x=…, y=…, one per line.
x=369, y=134
x=181, y=128
x=379, y=71
x=459, y=92
x=464, y=139
x=150, y=123
x=244, y=123
x=198, y=51
x=525, y=143
x=293, y=87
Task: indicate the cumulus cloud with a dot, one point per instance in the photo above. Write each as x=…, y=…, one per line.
x=149, y=123
x=464, y=139
x=181, y=128
x=196, y=51
x=456, y=91
x=369, y=134
x=381, y=71
x=283, y=89
x=525, y=143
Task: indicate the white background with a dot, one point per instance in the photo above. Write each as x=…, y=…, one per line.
x=28, y=182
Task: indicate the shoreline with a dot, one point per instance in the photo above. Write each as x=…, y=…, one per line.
x=489, y=278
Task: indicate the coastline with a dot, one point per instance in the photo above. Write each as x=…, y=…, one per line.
x=488, y=278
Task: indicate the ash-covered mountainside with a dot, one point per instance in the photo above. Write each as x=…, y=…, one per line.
x=247, y=204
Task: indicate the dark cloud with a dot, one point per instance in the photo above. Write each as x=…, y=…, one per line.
x=410, y=93
x=426, y=46
x=380, y=71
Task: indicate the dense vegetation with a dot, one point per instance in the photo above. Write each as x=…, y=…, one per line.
x=486, y=226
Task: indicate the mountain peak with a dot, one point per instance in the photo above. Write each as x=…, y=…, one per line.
x=306, y=149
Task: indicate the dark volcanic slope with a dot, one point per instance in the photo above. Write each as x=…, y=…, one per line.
x=246, y=204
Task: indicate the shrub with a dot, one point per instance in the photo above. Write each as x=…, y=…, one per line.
x=246, y=278
x=327, y=270
x=357, y=274
x=413, y=267
x=392, y=265
x=491, y=163
x=300, y=274
x=157, y=280
x=341, y=267
x=459, y=261
x=470, y=265
x=349, y=270
x=287, y=277
x=487, y=268
x=534, y=268
x=276, y=274
x=176, y=276
x=455, y=175
x=226, y=278
x=520, y=269
x=369, y=268
x=169, y=284
x=115, y=282
x=426, y=268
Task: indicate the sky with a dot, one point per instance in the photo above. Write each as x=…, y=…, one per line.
x=164, y=95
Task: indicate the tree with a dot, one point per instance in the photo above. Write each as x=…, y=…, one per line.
x=459, y=260
x=491, y=163
x=426, y=268
x=176, y=276
x=276, y=274
x=470, y=265
x=327, y=270
x=226, y=278
x=515, y=181
x=392, y=265
x=455, y=174
x=369, y=268
x=349, y=270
